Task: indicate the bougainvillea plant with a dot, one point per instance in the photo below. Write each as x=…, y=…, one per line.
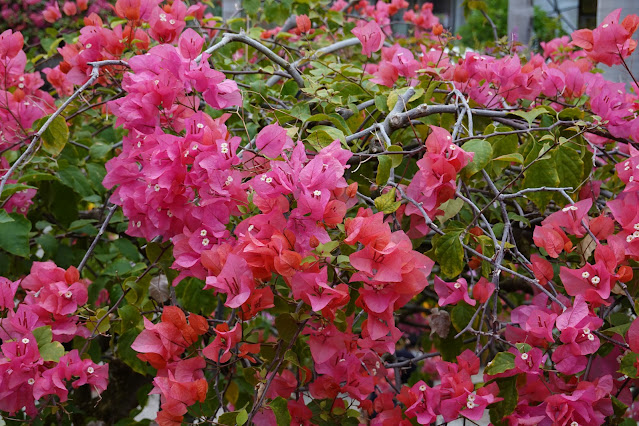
x=314, y=212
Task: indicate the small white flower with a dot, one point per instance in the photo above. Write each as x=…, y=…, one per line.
x=205, y=242
x=172, y=22
x=470, y=405
x=591, y=337
x=317, y=193
x=90, y=370
x=629, y=238
x=595, y=280
x=457, y=285
x=269, y=179
x=156, y=188
x=162, y=17
x=169, y=213
x=88, y=46
x=585, y=274
x=195, y=146
x=139, y=224
x=203, y=233
x=636, y=226
x=68, y=295
x=422, y=388
x=452, y=147
x=25, y=341
x=524, y=356
x=586, y=330
x=31, y=381
x=200, y=125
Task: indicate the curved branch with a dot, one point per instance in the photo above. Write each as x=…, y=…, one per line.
x=243, y=38
x=318, y=53
x=95, y=73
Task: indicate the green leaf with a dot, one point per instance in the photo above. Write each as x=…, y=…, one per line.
x=450, y=209
x=508, y=391
x=242, y=417
x=128, y=355
x=52, y=351
x=229, y=418
x=14, y=235
x=483, y=153
x=502, y=362
x=461, y=315
x=56, y=136
x=571, y=114
x=380, y=103
x=620, y=329
x=383, y=169
x=322, y=136
x=4, y=217
x=36, y=177
x=72, y=177
x=386, y=202
x=280, y=409
x=286, y=326
x=43, y=335
x=193, y=298
x=530, y=116
x=101, y=320
x=130, y=317
x=540, y=173
x=627, y=365
x=511, y=158
x=12, y=188
x=569, y=166
x=396, y=158
x=449, y=253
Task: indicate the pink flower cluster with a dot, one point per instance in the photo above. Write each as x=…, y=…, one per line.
x=177, y=173
x=435, y=182
x=49, y=308
x=455, y=396
x=21, y=100
x=179, y=381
